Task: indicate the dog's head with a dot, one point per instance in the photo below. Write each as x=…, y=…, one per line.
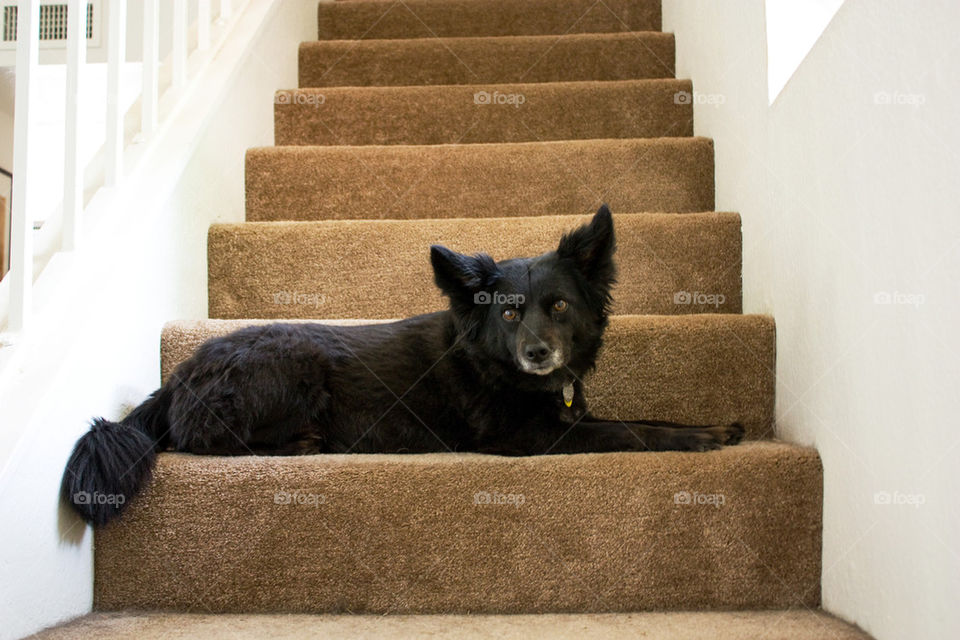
x=537, y=316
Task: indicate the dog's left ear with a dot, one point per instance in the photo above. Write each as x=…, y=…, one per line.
x=590, y=248
x=462, y=277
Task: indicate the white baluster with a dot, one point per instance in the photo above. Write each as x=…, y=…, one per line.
x=116, y=57
x=203, y=25
x=226, y=9
x=151, y=54
x=179, y=43
x=72, y=164
x=21, y=249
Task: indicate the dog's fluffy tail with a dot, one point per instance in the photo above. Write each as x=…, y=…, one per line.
x=113, y=461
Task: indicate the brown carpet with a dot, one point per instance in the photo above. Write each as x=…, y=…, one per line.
x=427, y=61
x=483, y=113
x=381, y=268
x=734, y=528
x=340, y=226
x=707, y=369
x=793, y=624
x=446, y=18
x=479, y=180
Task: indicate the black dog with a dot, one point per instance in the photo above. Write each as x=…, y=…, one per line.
x=499, y=372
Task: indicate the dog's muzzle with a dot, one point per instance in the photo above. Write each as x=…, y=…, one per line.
x=539, y=358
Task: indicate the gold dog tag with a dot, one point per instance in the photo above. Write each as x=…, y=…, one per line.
x=568, y=394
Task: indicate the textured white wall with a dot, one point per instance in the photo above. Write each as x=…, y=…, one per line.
x=850, y=196
x=102, y=334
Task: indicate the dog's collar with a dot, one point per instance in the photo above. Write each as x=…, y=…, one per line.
x=568, y=393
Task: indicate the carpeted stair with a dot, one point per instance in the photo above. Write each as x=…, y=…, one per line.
x=433, y=61
x=526, y=112
x=383, y=150
x=479, y=180
x=363, y=19
x=695, y=369
x=349, y=267
x=794, y=624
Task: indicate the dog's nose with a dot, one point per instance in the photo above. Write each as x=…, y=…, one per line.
x=536, y=353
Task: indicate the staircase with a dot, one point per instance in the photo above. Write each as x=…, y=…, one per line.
x=485, y=125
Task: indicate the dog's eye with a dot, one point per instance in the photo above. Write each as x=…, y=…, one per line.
x=511, y=315
x=560, y=306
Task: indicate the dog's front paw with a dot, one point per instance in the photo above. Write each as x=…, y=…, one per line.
x=727, y=435
x=710, y=438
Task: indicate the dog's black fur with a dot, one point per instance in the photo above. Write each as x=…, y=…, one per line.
x=486, y=375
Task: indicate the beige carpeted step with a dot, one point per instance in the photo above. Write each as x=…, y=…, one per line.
x=702, y=369
x=668, y=263
x=734, y=528
x=479, y=180
x=593, y=56
x=445, y=18
x=452, y=114
x=794, y=624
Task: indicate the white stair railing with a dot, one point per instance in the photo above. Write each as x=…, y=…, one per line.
x=151, y=61
x=73, y=167
x=18, y=282
x=21, y=224
x=116, y=52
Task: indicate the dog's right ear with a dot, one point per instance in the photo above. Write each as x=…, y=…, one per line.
x=461, y=277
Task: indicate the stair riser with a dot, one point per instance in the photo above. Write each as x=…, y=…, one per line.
x=479, y=180
x=710, y=369
x=381, y=269
x=427, y=19
x=414, y=534
x=431, y=61
x=483, y=113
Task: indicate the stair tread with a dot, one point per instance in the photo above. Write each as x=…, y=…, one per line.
x=735, y=528
x=791, y=624
x=482, y=180
x=448, y=114
x=444, y=18
x=693, y=369
x=352, y=266
x=467, y=60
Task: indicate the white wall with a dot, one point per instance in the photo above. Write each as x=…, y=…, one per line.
x=100, y=338
x=848, y=186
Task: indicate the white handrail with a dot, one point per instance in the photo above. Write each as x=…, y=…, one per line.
x=116, y=56
x=21, y=240
x=72, y=165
